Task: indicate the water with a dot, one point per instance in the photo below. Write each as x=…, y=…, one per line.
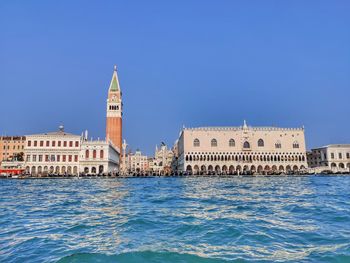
x=292, y=219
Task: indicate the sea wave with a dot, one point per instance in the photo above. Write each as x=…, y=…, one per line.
x=304, y=219
x=137, y=257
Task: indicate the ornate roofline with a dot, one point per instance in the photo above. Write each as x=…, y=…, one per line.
x=241, y=128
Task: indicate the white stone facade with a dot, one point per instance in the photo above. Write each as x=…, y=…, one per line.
x=137, y=163
x=62, y=153
x=334, y=157
x=235, y=150
x=161, y=163
x=52, y=153
x=99, y=157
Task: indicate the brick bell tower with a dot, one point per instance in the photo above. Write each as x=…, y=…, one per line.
x=114, y=112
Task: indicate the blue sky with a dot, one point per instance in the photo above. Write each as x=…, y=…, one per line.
x=192, y=63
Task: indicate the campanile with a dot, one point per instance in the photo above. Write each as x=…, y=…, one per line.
x=114, y=112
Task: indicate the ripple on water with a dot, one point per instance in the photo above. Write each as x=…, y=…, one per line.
x=290, y=219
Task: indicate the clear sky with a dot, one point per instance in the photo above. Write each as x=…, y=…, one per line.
x=192, y=63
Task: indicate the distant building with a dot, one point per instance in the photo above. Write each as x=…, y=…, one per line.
x=137, y=162
x=334, y=157
x=99, y=157
x=161, y=163
x=11, y=148
x=65, y=153
x=52, y=153
x=231, y=150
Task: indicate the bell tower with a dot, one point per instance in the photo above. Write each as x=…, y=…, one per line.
x=114, y=112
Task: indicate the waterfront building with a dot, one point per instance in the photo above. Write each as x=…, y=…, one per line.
x=232, y=150
x=137, y=162
x=334, y=157
x=174, y=161
x=12, y=148
x=52, y=153
x=98, y=157
x=161, y=163
x=114, y=112
x=63, y=153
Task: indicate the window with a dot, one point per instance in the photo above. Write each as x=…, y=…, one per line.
x=47, y=143
x=63, y=158
x=261, y=143
x=46, y=158
x=94, y=154
x=28, y=158
x=41, y=143
x=214, y=143
x=340, y=156
x=332, y=155
x=246, y=145
x=87, y=154
x=52, y=158
x=69, y=158
x=29, y=143
x=58, y=158
x=64, y=144
x=101, y=154
x=231, y=143
x=34, y=158
x=40, y=158
x=295, y=145
x=75, y=158
x=70, y=144
x=196, y=143
x=59, y=143
x=278, y=145
x=53, y=143
x=348, y=155
x=77, y=144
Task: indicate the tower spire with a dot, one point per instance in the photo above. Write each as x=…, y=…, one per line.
x=114, y=112
x=114, y=86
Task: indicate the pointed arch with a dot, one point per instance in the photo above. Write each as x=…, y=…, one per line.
x=196, y=142
x=296, y=145
x=278, y=145
x=246, y=145
x=261, y=143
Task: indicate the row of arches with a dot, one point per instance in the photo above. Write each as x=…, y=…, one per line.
x=231, y=169
x=246, y=158
x=42, y=170
x=340, y=165
x=246, y=144
x=113, y=107
x=94, y=170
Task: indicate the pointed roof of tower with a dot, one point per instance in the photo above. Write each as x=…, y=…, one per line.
x=114, y=86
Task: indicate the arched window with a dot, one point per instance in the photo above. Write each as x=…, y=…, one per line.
x=214, y=143
x=246, y=145
x=278, y=145
x=295, y=145
x=261, y=143
x=87, y=154
x=231, y=143
x=196, y=143
x=101, y=154
x=94, y=154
